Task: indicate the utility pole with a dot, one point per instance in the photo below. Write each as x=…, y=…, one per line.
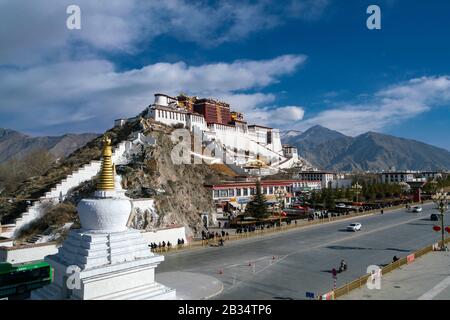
x=441, y=199
x=356, y=187
x=280, y=195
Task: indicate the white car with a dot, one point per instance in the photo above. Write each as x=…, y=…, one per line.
x=356, y=226
x=416, y=209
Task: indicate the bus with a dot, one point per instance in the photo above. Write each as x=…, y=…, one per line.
x=23, y=278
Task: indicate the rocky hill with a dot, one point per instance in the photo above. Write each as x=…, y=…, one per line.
x=331, y=150
x=14, y=144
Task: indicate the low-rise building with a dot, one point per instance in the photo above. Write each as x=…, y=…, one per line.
x=238, y=194
x=397, y=176
x=430, y=175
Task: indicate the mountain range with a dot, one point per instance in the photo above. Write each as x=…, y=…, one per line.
x=332, y=150
x=14, y=144
x=322, y=147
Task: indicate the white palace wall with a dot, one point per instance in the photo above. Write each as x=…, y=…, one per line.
x=166, y=234
x=27, y=253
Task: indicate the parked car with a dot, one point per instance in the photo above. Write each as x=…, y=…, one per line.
x=356, y=226
x=434, y=217
x=416, y=209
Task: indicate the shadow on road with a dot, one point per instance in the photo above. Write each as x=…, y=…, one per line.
x=419, y=224
x=362, y=248
x=283, y=298
x=349, y=248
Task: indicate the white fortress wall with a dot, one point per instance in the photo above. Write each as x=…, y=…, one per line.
x=168, y=117
x=166, y=234
x=27, y=253
x=234, y=138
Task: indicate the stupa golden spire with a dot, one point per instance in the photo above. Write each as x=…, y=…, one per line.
x=106, y=180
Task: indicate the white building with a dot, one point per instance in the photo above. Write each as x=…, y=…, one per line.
x=168, y=116
x=430, y=175
x=397, y=177
x=290, y=151
x=325, y=177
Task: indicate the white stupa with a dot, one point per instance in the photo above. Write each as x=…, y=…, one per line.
x=114, y=262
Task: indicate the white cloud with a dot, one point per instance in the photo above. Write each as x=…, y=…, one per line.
x=89, y=95
x=55, y=79
x=386, y=107
x=36, y=30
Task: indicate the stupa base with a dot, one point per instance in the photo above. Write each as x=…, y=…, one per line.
x=116, y=266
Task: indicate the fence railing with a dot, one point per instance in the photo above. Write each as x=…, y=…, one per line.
x=267, y=231
x=358, y=283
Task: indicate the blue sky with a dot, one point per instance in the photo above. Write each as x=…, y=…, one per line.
x=290, y=64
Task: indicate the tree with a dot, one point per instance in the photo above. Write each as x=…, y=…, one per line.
x=257, y=207
x=17, y=170
x=329, y=200
x=348, y=194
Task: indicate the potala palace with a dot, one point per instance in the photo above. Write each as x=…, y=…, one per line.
x=217, y=123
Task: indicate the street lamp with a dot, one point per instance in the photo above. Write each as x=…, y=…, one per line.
x=280, y=195
x=441, y=199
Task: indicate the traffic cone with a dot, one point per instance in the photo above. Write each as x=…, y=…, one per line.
x=273, y=258
x=220, y=271
x=249, y=263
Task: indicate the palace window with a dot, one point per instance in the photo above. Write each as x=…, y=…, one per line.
x=223, y=193
x=245, y=191
x=238, y=192
x=216, y=194
x=231, y=192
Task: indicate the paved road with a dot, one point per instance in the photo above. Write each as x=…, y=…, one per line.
x=304, y=258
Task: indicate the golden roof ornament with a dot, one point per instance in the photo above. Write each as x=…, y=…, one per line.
x=106, y=180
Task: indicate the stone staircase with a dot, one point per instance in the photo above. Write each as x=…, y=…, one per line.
x=154, y=291
x=38, y=237
x=73, y=180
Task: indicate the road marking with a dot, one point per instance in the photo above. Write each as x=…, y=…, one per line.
x=441, y=286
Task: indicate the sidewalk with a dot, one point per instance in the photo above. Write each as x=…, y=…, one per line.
x=189, y=285
x=427, y=278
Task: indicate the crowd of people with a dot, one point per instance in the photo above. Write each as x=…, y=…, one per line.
x=162, y=246
x=207, y=235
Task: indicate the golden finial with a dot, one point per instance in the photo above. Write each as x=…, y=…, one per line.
x=106, y=180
